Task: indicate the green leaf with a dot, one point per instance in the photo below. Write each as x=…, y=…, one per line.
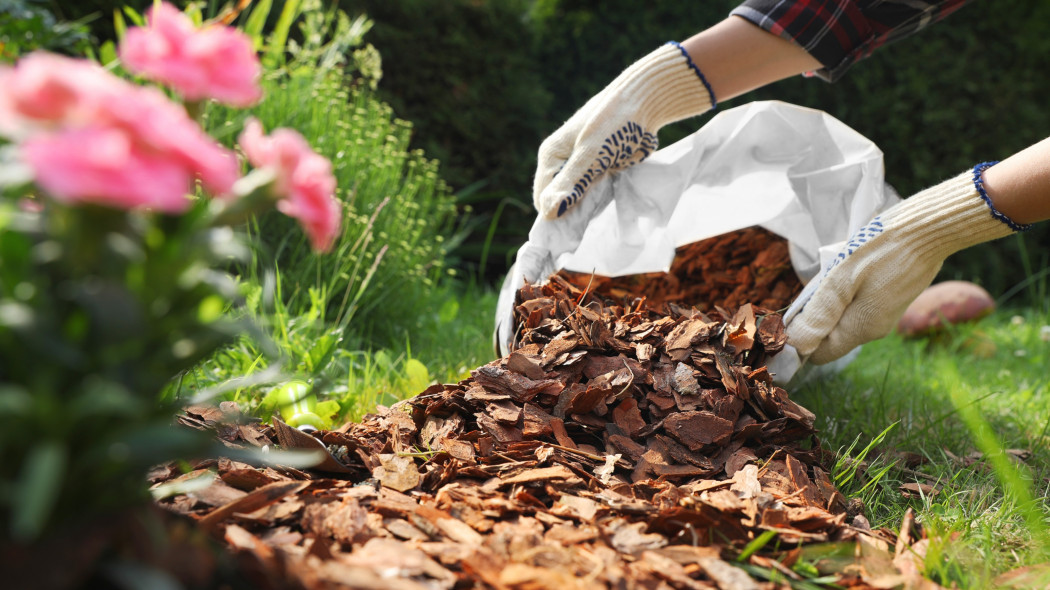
x=449, y=310
x=136, y=18
x=328, y=410
x=417, y=377
x=758, y=543
x=806, y=569
x=256, y=21
x=210, y=309
x=279, y=37
x=37, y=489
x=107, y=54
x=382, y=360
x=193, y=10
x=119, y=24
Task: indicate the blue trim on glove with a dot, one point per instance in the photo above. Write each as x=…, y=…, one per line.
x=978, y=183
x=699, y=74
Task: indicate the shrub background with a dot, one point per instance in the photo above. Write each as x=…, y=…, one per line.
x=966, y=90
x=464, y=73
x=484, y=81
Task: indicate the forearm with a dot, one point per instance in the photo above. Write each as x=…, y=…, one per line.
x=1019, y=186
x=737, y=57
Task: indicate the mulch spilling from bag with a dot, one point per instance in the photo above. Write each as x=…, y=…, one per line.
x=750, y=265
x=616, y=447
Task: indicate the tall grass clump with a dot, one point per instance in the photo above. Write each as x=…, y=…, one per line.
x=380, y=318
x=399, y=213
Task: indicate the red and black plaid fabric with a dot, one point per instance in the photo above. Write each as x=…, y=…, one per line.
x=838, y=33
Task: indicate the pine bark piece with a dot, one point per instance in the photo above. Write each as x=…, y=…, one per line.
x=496, y=378
x=685, y=381
x=739, y=333
x=772, y=333
x=505, y=412
x=561, y=435
x=246, y=479
x=631, y=538
x=528, y=363
x=255, y=500
x=556, y=472
x=628, y=417
x=397, y=472
x=536, y=422
x=342, y=521
x=698, y=428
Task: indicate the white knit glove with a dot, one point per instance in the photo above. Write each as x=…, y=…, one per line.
x=617, y=127
x=886, y=264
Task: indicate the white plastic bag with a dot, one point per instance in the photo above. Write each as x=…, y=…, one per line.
x=797, y=172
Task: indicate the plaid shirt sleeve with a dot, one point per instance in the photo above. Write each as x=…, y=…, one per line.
x=839, y=33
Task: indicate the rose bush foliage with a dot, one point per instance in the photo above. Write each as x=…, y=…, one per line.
x=119, y=219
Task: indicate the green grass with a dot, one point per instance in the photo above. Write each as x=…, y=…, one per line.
x=446, y=343
x=981, y=388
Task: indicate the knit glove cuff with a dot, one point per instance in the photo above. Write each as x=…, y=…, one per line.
x=950, y=217
x=618, y=127
x=886, y=264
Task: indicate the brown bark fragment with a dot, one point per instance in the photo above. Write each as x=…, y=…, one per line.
x=698, y=428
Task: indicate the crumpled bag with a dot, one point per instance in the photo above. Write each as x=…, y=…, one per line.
x=797, y=172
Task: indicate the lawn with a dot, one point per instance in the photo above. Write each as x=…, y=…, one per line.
x=981, y=388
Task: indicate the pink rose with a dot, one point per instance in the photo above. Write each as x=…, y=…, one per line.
x=103, y=166
x=124, y=132
x=214, y=62
x=303, y=178
x=161, y=126
x=45, y=90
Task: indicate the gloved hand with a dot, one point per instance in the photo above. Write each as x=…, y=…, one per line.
x=618, y=126
x=885, y=265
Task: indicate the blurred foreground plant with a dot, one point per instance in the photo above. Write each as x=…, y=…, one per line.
x=118, y=219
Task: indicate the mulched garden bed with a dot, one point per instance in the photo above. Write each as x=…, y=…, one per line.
x=620, y=445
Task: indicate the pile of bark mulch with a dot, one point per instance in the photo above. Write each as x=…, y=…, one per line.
x=750, y=265
x=614, y=448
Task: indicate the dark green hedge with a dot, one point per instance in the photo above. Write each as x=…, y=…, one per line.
x=483, y=81
x=463, y=72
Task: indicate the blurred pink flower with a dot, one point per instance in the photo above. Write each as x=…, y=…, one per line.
x=45, y=90
x=103, y=166
x=163, y=127
x=214, y=62
x=303, y=178
x=125, y=132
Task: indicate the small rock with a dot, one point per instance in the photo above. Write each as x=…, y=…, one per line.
x=950, y=302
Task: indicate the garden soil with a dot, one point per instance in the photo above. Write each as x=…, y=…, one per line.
x=633, y=439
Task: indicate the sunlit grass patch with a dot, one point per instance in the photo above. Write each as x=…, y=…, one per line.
x=960, y=402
